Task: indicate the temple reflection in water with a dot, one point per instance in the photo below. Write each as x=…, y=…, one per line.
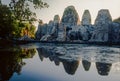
x=11, y=60
x=103, y=68
x=71, y=61
x=86, y=65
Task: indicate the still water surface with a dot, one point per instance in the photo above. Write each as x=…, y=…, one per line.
x=59, y=62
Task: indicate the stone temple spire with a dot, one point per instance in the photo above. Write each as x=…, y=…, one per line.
x=86, y=18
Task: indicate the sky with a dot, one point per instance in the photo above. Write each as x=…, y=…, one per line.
x=58, y=6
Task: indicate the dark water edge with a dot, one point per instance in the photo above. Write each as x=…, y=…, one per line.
x=82, y=42
x=17, y=42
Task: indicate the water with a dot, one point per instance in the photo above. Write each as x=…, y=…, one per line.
x=59, y=62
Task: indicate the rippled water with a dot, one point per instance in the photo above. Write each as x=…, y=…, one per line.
x=60, y=62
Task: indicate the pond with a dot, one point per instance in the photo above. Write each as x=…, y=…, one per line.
x=59, y=62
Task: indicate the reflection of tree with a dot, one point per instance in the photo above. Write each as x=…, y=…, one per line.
x=27, y=53
x=10, y=62
x=86, y=65
x=103, y=68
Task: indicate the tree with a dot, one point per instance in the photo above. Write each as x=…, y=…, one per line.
x=21, y=9
x=28, y=29
x=117, y=20
x=6, y=22
x=0, y=2
x=12, y=17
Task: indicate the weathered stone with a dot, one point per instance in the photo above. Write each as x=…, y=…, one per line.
x=38, y=33
x=81, y=32
x=50, y=27
x=56, y=19
x=102, y=26
x=45, y=38
x=69, y=20
x=52, y=31
x=61, y=33
x=86, y=32
x=42, y=28
x=115, y=33
x=103, y=30
x=70, y=17
x=74, y=34
x=25, y=37
x=86, y=18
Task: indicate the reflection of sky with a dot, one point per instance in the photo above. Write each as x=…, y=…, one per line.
x=58, y=6
x=35, y=70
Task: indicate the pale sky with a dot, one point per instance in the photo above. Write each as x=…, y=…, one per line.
x=58, y=6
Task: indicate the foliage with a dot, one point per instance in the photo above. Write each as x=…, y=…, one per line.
x=27, y=53
x=27, y=29
x=117, y=20
x=0, y=2
x=21, y=29
x=16, y=20
x=21, y=9
x=6, y=22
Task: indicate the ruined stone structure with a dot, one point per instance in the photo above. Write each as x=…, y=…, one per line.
x=102, y=26
x=70, y=29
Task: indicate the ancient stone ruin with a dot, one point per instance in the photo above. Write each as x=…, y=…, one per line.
x=69, y=29
x=86, y=18
x=102, y=26
x=70, y=17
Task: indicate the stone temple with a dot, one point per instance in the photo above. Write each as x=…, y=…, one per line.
x=69, y=28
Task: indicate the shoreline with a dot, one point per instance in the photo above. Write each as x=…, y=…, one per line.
x=69, y=42
x=7, y=42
